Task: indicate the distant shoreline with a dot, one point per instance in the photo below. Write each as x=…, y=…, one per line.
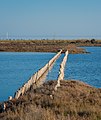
x=47, y=45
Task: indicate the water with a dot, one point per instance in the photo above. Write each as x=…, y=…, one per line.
x=85, y=67
x=54, y=72
x=16, y=68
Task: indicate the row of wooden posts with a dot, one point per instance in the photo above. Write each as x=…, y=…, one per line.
x=35, y=78
x=40, y=73
x=61, y=71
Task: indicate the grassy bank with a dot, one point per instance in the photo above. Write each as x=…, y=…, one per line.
x=74, y=100
x=46, y=45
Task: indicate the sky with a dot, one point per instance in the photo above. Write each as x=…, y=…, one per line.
x=50, y=18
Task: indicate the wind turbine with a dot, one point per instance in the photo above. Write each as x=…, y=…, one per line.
x=7, y=35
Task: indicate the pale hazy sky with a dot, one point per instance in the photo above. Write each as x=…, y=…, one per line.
x=50, y=18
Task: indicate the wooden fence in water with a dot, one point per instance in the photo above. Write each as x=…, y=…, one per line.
x=61, y=71
x=35, y=78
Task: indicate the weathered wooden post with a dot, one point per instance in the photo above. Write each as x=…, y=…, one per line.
x=61, y=71
x=35, y=78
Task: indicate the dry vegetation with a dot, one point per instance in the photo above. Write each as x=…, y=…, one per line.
x=46, y=45
x=74, y=100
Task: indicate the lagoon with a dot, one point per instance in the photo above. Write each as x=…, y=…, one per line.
x=16, y=68
x=83, y=67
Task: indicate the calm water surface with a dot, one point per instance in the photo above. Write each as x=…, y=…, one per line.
x=85, y=67
x=16, y=68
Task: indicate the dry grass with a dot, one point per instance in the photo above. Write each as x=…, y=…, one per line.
x=74, y=100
